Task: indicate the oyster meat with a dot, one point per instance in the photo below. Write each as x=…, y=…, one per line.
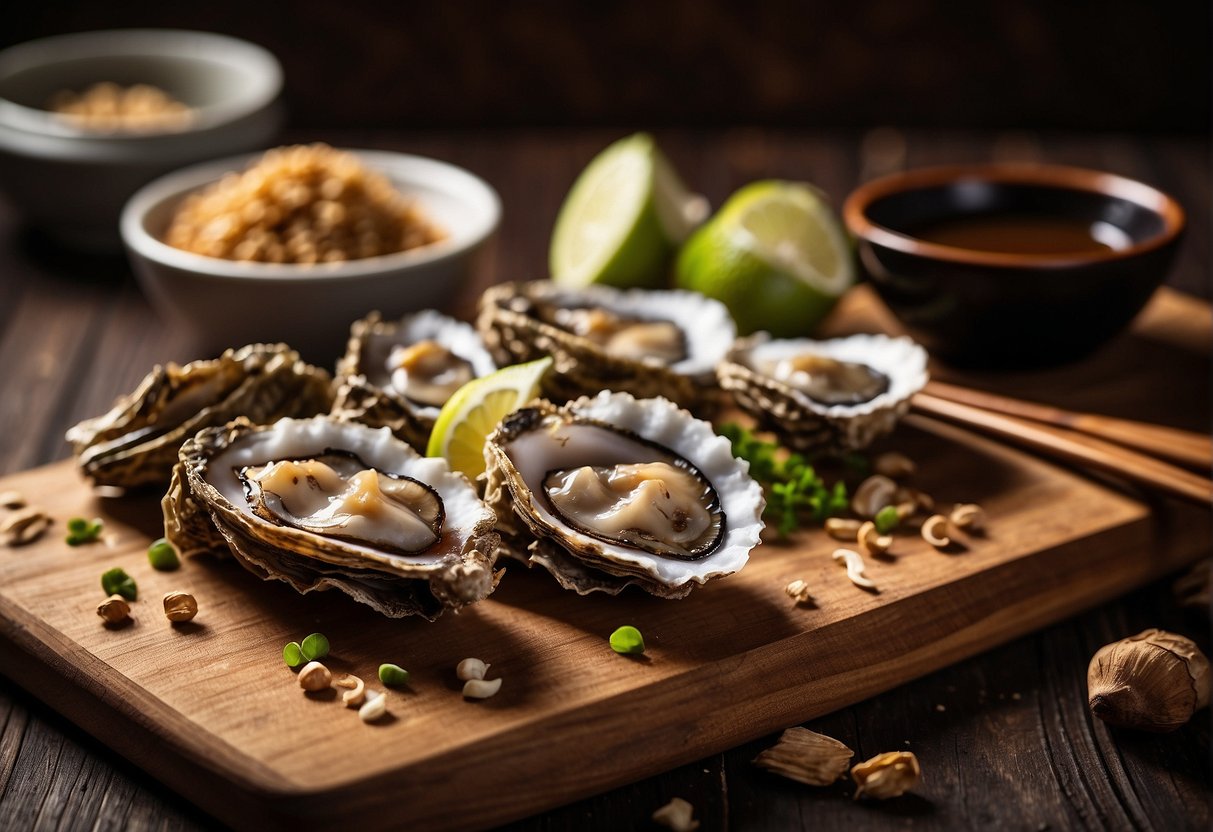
x=643, y=342
x=320, y=503
x=613, y=490
x=825, y=396
x=400, y=374
x=136, y=442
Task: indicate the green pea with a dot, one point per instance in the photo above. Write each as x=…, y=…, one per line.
x=80, y=530
x=887, y=519
x=627, y=639
x=116, y=582
x=314, y=647
x=393, y=675
x=292, y=654
x=162, y=556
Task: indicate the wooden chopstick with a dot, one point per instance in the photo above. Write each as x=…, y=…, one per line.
x=1073, y=447
x=1182, y=446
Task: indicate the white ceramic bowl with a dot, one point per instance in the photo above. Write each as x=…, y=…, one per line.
x=226, y=303
x=73, y=182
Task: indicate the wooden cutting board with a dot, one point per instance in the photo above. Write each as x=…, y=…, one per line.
x=210, y=709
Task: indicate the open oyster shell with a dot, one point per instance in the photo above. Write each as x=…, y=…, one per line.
x=540, y=450
x=136, y=442
x=654, y=343
x=224, y=497
x=398, y=374
x=864, y=387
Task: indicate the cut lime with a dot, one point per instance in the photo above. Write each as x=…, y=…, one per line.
x=775, y=255
x=475, y=410
x=624, y=217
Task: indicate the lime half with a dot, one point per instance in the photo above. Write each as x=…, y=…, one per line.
x=476, y=409
x=775, y=255
x=623, y=219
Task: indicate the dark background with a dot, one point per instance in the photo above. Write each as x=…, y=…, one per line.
x=1040, y=64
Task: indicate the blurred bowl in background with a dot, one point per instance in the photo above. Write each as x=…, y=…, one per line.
x=229, y=303
x=72, y=181
x=1013, y=265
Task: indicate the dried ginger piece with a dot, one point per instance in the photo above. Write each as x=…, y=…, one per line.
x=891, y=774
x=677, y=815
x=806, y=757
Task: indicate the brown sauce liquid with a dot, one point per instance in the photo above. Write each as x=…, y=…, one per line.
x=1022, y=234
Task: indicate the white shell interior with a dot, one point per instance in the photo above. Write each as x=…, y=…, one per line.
x=706, y=323
x=428, y=325
x=900, y=358
x=535, y=453
x=299, y=438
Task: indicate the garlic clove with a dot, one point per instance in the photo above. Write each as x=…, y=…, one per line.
x=469, y=669
x=677, y=815
x=806, y=757
x=1153, y=681
x=481, y=688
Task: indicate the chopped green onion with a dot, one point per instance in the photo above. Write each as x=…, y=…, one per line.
x=627, y=639
x=887, y=519
x=314, y=647
x=794, y=491
x=393, y=675
x=292, y=654
x=162, y=556
x=116, y=582
x=80, y=530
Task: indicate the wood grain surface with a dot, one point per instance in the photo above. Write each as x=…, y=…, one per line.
x=1011, y=745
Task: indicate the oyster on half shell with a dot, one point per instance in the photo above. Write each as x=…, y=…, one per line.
x=136, y=442
x=399, y=374
x=613, y=490
x=828, y=396
x=643, y=342
x=321, y=503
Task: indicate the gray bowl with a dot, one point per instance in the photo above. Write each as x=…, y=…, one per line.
x=73, y=182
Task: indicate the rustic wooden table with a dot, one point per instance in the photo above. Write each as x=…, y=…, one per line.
x=1005, y=739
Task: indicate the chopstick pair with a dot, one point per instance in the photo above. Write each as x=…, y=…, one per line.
x=1100, y=442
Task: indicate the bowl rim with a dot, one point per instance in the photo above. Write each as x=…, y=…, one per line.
x=261, y=69
x=176, y=185
x=1053, y=176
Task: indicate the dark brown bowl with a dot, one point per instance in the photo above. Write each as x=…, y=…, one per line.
x=990, y=309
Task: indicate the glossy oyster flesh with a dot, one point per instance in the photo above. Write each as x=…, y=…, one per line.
x=644, y=342
x=400, y=374
x=136, y=442
x=320, y=503
x=613, y=490
x=828, y=396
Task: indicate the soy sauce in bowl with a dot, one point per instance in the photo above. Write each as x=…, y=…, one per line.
x=1013, y=266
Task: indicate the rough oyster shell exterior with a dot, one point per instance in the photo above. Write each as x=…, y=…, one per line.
x=582, y=367
x=204, y=512
x=585, y=564
x=364, y=389
x=136, y=442
x=812, y=427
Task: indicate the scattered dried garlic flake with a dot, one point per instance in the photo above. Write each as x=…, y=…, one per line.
x=935, y=531
x=842, y=528
x=798, y=591
x=24, y=526
x=355, y=690
x=855, y=567
x=12, y=499
x=481, y=688
x=894, y=465
x=968, y=516
x=891, y=774
x=374, y=708
x=677, y=815
x=806, y=757
x=873, y=494
x=873, y=541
